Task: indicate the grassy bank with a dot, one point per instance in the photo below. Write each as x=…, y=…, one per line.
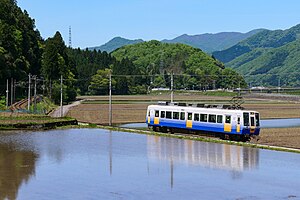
x=33, y=122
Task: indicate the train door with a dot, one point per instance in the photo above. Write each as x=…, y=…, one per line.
x=149, y=116
x=238, y=124
x=252, y=122
x=156, y=117
x=227, y=124
x=189, y=120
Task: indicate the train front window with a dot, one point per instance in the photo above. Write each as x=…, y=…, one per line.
x=157, y=113
x=257, y=119
x=228, y=119
x=190, y=116
x=246, y=119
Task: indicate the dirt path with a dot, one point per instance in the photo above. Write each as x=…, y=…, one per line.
x=66, y=109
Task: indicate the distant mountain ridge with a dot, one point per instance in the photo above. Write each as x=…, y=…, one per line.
x=210, y=42
x=207, y=42
x=268, y=57
x=115, y=43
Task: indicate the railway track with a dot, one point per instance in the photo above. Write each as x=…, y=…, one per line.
x=22, y=104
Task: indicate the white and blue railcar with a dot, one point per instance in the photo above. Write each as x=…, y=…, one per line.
x=165, y=118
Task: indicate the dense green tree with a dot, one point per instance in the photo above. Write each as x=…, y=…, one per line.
x=86, y=64
x=100, y=82
x=55, y=64
x=20, y=51
x=192, y=68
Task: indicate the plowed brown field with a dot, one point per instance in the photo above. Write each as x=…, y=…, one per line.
x=129, y=109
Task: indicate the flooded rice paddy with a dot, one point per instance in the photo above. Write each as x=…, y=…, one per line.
x=102, y=164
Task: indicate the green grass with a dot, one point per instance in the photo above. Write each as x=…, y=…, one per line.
x=43, y=107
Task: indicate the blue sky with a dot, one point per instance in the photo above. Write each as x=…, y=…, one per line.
x=94, y=22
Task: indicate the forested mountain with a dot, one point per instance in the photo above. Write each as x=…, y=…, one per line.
x=209, y=42
x=191, y=66
x=115, y=43
x=134, y=68
x=20, y=42
x=267, y=57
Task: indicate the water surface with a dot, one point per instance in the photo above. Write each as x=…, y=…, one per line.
x=101, y=164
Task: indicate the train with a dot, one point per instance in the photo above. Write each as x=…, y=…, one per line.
x=220, y=120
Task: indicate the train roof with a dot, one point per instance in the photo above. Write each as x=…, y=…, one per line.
x=188, y=106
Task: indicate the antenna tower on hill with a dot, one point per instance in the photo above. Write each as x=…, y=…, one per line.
x=70, y=37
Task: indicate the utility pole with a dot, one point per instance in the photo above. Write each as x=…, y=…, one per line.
x=34, y=93
x=110, y=101
x=172, y=86
x=12, y=91
x=61, y=96
x=279, y=85
x=50, y=84
x=15, y=82
x=29, y=82
x=7, y=93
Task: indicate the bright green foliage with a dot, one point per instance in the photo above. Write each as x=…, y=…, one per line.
x=19, y=43
x=100, y=82
x=2, y=103
x=193, y=68
x=86, y=63
x=55, y=64
x=55, y=59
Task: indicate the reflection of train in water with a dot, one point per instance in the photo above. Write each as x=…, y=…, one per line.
x=171, y=117
x=219, y=156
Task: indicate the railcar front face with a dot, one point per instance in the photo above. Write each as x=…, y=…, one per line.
x=251, y=123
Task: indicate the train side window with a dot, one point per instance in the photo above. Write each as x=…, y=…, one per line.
x=162, y=114
x=190, y=116
x=149, y=113
x=175, y=115
x=169, y=115
x=157, y=113
x=257, y=119
x=182, y=116
x=227, y=119
x=252, y=121
x=220, y=119
x=196, y=117
x=238, y=120
x=203, y=117
x=212, y=118
x=246, y=119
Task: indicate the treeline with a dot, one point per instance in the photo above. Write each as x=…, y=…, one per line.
x=20, y=43
x=135, y=69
